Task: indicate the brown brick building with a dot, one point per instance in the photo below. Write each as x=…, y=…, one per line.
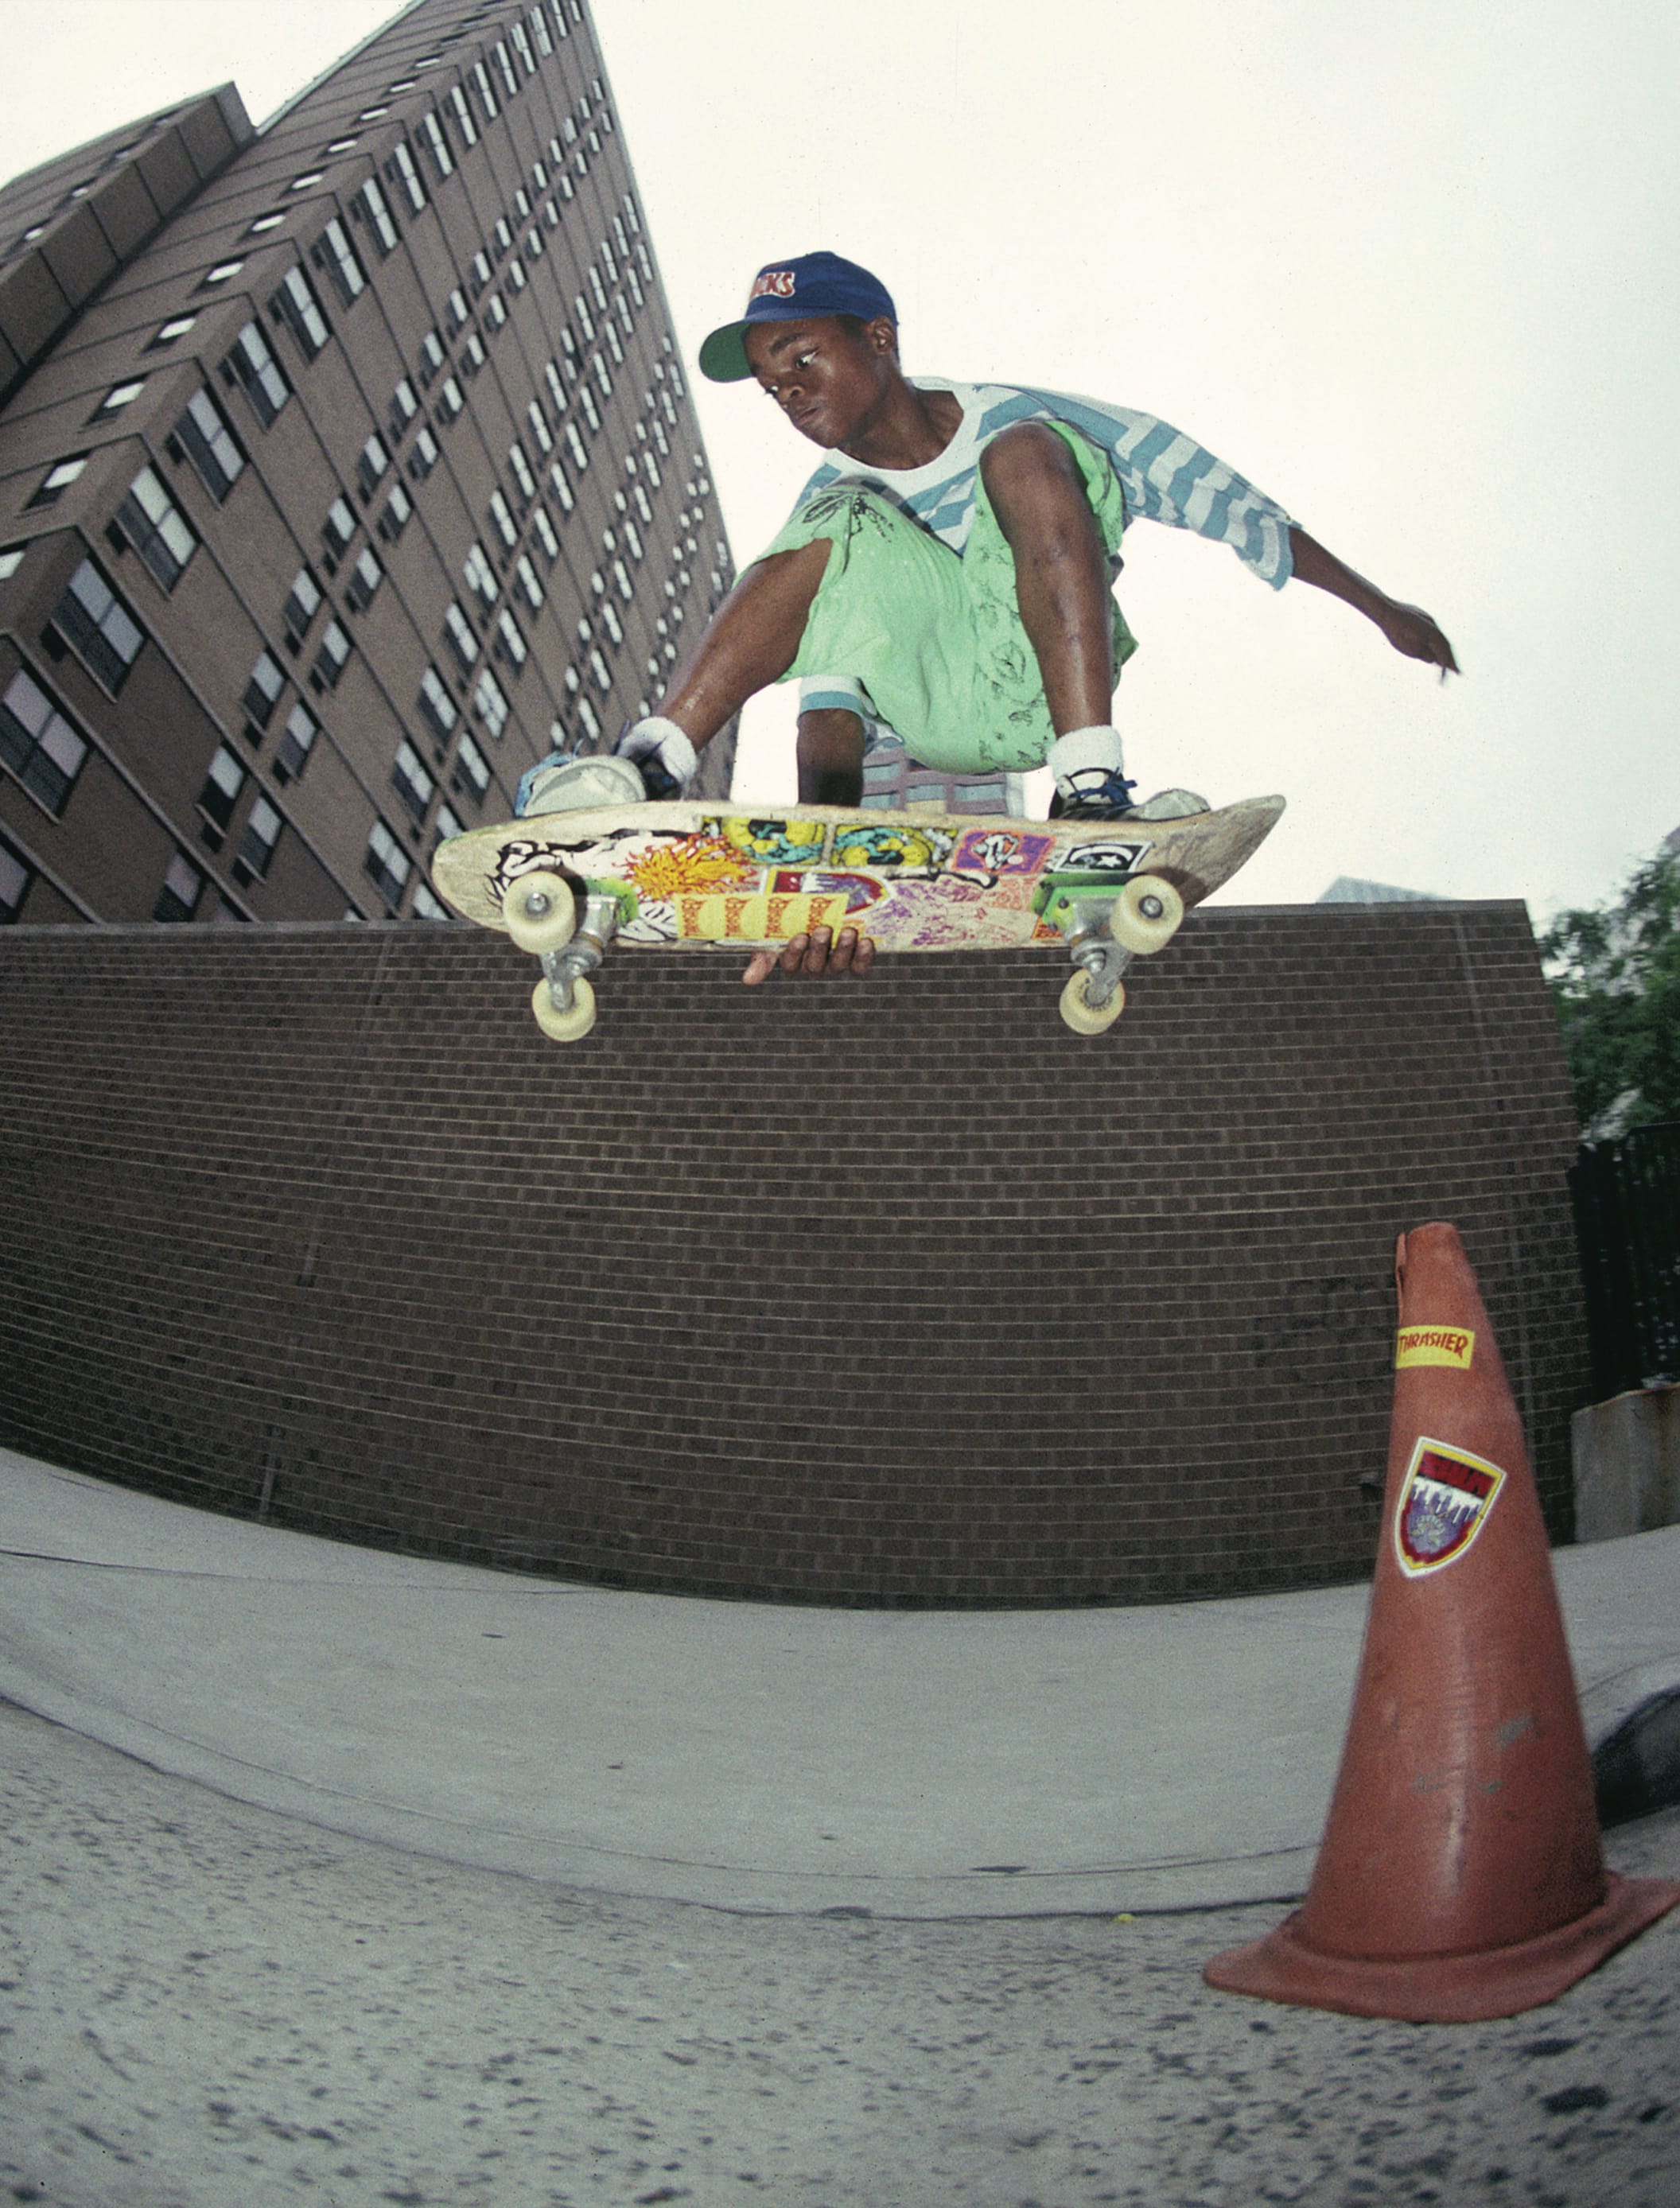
x=346, y=467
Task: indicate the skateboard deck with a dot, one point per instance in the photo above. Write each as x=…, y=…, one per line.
x=714, y=876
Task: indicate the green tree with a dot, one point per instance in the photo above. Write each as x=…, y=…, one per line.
x=1615, y=979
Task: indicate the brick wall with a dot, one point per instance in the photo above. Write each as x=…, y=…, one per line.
x=893, y=1292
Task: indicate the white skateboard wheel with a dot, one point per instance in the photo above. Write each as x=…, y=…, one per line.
x=540, y=912
x=569, y=1026
x=1080, y=1015
x=1146, y=914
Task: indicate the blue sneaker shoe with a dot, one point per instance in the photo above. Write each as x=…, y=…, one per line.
x=1096, y=795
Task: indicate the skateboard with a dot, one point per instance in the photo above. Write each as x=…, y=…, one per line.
x=719, y=876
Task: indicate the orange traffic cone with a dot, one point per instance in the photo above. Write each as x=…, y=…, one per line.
x=1461, y=1874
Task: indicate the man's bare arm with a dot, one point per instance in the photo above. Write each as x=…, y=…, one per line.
x=1409, y=628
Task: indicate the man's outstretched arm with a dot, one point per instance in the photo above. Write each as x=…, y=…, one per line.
x=1409, y=628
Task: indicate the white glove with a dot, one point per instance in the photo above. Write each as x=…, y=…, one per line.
x=661, y=743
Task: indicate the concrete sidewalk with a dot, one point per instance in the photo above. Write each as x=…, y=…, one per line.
x=919, y=1764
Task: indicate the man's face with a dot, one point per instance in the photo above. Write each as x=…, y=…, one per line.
x=826, y=378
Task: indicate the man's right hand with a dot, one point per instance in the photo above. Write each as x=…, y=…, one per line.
x=820, y=956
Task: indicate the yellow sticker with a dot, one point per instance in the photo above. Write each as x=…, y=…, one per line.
x=1452, y=1345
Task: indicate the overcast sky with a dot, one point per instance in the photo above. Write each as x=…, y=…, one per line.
x=1409, y=269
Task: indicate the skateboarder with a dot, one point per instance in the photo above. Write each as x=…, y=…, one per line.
x=947, y=574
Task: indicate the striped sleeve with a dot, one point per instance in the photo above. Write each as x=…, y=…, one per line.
x=1169, y=477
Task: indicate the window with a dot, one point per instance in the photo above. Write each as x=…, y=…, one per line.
x=436, y=145
x=539, y=28
x=601, y=672
x=449, y=400
x=516, y=277
x=172, y=330
x=99, y=627
x=511, y=646
x=404, y=407
x=433, y=358
x=502, y=514
x=589, y=720
x=254, y=366
x=296, y=304
x=463, y=114
x=424, y=457
x=374, y=461
x=448, y=822
x=222, y=786
x=591, y=411
x=527, y=576
x=522, y=47
x=413, y=784
x=495, y=313
x=11, y=560
x=365, y=579
x=387, y=864
x=545, y=537
x=256, y=846
x=157, y=529
x=398, y=507
x=307, y=182
x=563, y=488
x=338, y=530
x=333, y=657
x=300, y=731
x=336, y=257
x=204, y=436
x=344, y=145
x=463, y=639
x=481, y=78
x=481, y=576
x=123, y=395
x=491, y=701
x=223, y=272
x=375, y=211
x=38, y=743
x=404, y=174
x=17, y=879
x=425, y=906
x=585, y=320
x=263, y=691
x=437, y=707
x=621, y=577
x=459, y=310
x=479, y=275
x=612, y=624
x=472, y=770
x=264, y=224
x=183, y=886
x=522, y=474
x=574, y=445
x=303, y=603
x=58, y=479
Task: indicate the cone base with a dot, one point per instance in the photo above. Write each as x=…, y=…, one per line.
x=1444, y=1989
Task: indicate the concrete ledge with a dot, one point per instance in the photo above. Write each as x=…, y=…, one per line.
x=1626, y=1454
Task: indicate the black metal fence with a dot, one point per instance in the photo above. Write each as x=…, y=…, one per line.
x=1627, y=1208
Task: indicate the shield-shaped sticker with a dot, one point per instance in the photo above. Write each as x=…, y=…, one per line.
x=1445, y=1501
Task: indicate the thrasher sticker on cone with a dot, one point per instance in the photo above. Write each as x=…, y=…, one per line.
x=1445, y=1501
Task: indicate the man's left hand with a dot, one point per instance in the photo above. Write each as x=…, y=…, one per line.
x=820, y=956
x=1411, y=630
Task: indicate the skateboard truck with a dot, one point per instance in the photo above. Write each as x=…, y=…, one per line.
x=568, y=930
x=1104, y=931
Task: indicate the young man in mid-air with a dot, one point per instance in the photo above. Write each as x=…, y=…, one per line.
x=946, y=576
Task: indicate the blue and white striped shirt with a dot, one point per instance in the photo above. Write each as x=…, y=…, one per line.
x=1163, y=475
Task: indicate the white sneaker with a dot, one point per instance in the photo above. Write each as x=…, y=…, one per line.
x=574, y=785
x=1170, y=805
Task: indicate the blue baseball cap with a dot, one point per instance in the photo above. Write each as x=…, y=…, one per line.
x=794, y=290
